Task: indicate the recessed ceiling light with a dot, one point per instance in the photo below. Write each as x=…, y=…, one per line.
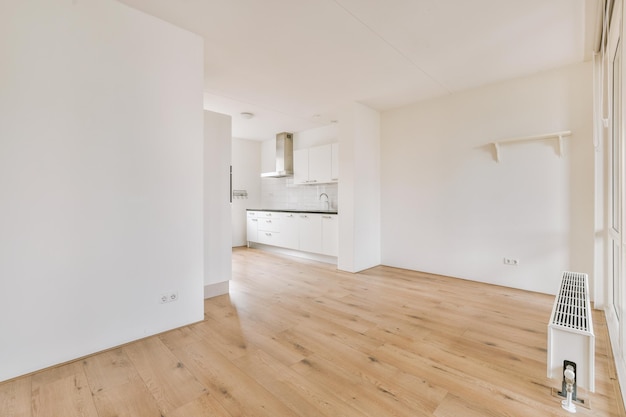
x=246, y=115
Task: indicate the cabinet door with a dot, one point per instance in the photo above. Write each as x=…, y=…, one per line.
x=301, y=166
x=289, y=231
x=310, y=232
x=252, y=231
x=334, y=163
x=320, y=164
x=330, y=235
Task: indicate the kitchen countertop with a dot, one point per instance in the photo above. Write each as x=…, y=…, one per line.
x=331, y=211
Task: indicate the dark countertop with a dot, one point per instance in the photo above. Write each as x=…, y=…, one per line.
x=332, y=211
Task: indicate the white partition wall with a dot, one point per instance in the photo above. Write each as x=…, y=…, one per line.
x=101, y=139
x=217, y=207
x=359, y=188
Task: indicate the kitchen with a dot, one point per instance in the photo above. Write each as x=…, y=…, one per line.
x=285, y=193
x=356, y=130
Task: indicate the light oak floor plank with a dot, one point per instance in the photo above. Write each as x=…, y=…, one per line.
x=118, y=390
x=62, y=391
x=298, y=338
x=15, y=398
x=166, y=377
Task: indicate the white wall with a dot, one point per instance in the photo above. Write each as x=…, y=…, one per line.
x=268, y=155
x=449, y=208
x=359, y=188
x=316, y=137
x=100, y=178
x=246, y=160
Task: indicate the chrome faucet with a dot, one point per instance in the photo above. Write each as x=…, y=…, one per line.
x=327, y=200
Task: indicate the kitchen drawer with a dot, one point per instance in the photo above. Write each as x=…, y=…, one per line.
x=269, y=214
x=269, y=224
x=269, y=238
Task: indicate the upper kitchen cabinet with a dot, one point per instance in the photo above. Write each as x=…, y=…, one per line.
x=334, y=162
x=316, y=165
x=301, y=166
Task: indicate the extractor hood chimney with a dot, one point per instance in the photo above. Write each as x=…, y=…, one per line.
x=284, y=157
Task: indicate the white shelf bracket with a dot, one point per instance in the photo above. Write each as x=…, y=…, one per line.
x=496, y=145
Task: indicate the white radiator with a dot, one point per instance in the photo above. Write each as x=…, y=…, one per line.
x=570, y=331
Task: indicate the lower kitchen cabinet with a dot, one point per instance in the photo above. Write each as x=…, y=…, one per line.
x=269, y=228
x=330, y=235
x=252, y=230
x=307, y=232
x=289, y=233
x=310, y=231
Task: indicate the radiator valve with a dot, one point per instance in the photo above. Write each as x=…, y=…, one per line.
x=570, y=379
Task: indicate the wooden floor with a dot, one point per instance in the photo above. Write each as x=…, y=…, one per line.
x=299, y=338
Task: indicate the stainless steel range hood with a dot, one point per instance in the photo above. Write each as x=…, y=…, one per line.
x=284, y=157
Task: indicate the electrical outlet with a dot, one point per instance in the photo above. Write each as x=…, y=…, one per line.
x=168, y=297
x=511, y=261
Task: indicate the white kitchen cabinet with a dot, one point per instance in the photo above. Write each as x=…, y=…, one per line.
x=301, y=166
x=330, y=234
x=310, y=232
x=314, y=165
x=334, y=162
x=289, y=231
x=320, y=159
x=270, y=227
x=252, y=230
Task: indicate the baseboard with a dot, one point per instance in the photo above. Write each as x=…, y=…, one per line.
x=213, y=290
x=298, y=254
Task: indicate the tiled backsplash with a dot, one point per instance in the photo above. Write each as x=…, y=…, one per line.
x=281, y=193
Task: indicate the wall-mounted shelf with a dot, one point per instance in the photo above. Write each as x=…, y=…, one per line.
x=555, y=135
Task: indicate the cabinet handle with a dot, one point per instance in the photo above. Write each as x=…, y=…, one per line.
x=268, y=234
x=268, y=221
x=268, y=214
x=290, y=215
x=304, y=216
x=327, y=217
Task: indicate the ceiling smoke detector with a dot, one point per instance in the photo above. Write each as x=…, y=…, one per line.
x=246, y=115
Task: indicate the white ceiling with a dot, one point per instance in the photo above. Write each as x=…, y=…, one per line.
x=289, y=60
